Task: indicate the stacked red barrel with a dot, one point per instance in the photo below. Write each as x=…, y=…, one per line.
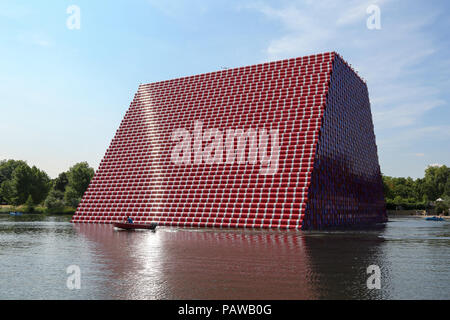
x=306, y=101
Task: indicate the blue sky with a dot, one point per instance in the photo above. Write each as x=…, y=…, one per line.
x=64, y=92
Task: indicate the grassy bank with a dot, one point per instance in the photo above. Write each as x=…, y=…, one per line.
x=405, y=212
x=5, y=209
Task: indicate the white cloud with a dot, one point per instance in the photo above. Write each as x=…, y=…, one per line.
x=177, y=8
x=13, y=11
x=305, y=31
x=403, y=114
x=356, y=12
x=35, y=39
x=411, y=137
x=391, y=60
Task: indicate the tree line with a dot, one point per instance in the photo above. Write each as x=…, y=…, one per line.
x=22, y=185
x=32, y=188
x=421, y=193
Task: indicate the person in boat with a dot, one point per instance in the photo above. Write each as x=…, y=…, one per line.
x=129, y=220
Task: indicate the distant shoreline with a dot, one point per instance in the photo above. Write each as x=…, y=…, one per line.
x=417, y=216
x=38, y=214
x=390, y=214
x=413, y=213
x=38, y=210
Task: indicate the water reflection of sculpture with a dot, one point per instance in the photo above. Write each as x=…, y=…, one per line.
x=231, y=264
x=203, y=264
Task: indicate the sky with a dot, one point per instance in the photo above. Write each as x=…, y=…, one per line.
x=64, y=89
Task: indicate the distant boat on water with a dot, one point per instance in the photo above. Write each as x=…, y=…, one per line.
x=15, y=213
x=434, y=219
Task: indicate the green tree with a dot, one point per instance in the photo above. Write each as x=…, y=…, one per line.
x=447, y=187
x=388, y=187
x=71, y=197
x=79, y=176
x=417, y=194
x=21, y=181
x=435, y=181
x=6, y=191
x=7, y=168
x=61, y=182
x=40, y=185
x=55, y=200
x=441, y=207
x=398, y=201
x=29, y=204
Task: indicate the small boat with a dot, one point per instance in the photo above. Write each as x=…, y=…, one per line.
x=16, y=214
x=135, y=226
x=434, y=219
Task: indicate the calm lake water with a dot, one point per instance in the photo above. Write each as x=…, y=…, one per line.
x=413, y=255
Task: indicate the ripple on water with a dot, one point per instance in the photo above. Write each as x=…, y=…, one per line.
x=176, y=263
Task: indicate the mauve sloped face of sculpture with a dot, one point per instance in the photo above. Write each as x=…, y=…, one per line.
x=346, y=186
x=238, y=148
